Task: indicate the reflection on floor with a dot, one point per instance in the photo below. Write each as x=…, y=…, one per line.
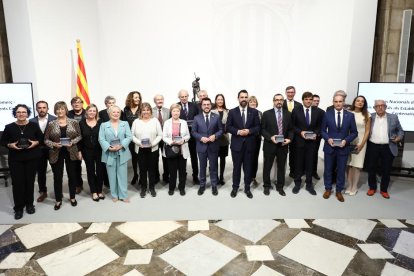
x=227, y=247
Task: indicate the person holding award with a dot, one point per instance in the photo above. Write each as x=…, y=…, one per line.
x=115, y=137
x=175, y=136
x=62, y=136
x=306, y=121
x=22, y=139
x=277, y=131
x=338, y=129
x=146, y=135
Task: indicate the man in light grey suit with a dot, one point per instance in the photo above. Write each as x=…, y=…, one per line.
x=162, y=114
x=386, y=133
x=43, y=118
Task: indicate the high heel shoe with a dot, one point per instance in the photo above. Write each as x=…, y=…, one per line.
x=57, y=205
x=73, y=203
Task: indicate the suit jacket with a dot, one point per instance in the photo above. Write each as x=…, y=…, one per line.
x=394, y=128
x=52, y=135
x=184, y=132
x=224, y=139
x=107, y=134
x=235, y=123
x=165, y=113
x=347, y=132
x=299, y=123
x=200, y=130
x=296, y=104
x=270, y=128
x=191, y=111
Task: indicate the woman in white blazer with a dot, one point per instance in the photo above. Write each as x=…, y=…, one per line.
x=174, y=127
x=146, y=135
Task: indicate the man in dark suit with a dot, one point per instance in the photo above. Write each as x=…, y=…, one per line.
x=289, y=104
x=162, y=114
x=207, y=128
x=244, y=124
x=188, y=111
x=338, y=129
x=386, y=133
x=315, y=102
x=306, y=121
x=276, y=123
x=43, y=118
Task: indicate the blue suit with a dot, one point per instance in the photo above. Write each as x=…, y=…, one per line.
x=116, y=162
x=348, y=132
x=243, y=147
x=207, y=151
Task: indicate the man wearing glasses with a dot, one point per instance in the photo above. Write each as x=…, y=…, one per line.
x=386, y=133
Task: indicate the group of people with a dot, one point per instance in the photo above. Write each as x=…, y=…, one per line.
x=202, y=131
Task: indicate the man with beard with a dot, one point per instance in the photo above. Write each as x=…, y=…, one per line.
x=43, y=118
x=207, y=129
x=277, y=132
x=244, y=124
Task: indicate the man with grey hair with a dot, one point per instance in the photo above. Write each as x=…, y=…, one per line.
x=162, y=114
x=386, y=133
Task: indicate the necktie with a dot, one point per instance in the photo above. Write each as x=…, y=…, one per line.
x=160, y=116
x=185, y=110
x=307, y=117
x=279, y=123
x=339, y=120
x=207, y=121
x=290, y=106
x=243, y=118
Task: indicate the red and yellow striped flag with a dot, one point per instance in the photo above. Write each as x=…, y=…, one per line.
x=81, y=82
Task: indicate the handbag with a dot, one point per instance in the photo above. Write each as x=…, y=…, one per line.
x=172, y=151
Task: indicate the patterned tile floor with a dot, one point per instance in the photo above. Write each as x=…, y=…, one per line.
x=227, y=247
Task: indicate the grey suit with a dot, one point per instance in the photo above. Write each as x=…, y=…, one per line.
x=165, y=113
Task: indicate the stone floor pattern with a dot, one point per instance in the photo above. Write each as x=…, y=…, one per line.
x=227, y=247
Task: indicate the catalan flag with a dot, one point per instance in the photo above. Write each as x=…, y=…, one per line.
x=81, y=82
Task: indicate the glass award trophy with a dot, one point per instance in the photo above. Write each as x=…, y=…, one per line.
x=177, y=139
x=309, y=135
x=145, y=142
x=115, y=142
x=337, y=142
x=23, y=143
x=65, y=141
x=280, y=138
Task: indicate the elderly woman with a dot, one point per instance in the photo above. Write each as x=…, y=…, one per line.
x=115, y=137
x=62, y=136
x=92, y=152
x=146, y=135
x=22, y=139
x=132, y=111
x=221, y=109
x=176, y=133
x=253, y=103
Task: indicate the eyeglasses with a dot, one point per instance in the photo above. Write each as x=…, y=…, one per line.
x=21, y=112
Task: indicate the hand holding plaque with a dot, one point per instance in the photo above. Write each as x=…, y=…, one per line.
x=23, y=143
x=145, y=143
x=279, y=139
x=309, y=135
x=115, y=142
x=65, y=141
x=337, y=142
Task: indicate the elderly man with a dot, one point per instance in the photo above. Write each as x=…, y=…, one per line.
x=386, y=133
x=188, y=111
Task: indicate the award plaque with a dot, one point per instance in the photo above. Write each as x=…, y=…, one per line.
x=337, y=142
x=115, y=142
x=309, y=135
x=145, y=142
x=65, y=141
x=279, y=138
x=23, y=143
x=177, y=138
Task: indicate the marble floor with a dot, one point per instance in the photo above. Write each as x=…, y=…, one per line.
x=202, y=247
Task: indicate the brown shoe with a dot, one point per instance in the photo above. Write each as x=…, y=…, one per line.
x=340, y=197
x=327, y=194
x=42, y=197
x=78, y=190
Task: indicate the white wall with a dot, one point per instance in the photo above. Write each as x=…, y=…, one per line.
x=155, y=46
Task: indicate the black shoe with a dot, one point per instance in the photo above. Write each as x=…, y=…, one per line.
x=182, y=192
x=296, y=189
x=311, y=190
x=101, y=197
x=201, y=190
x=18, y=214
x=143, y=193
x=134, y=180
x=214, y=191
x=73, y=203
x=266, y=191
x=254, y=182
x=233, y=193
x=281, y=192
x=292, y=175
x=30, y=210
x=196, y=181
x=153, y=193
x=249, y=194
x=171, y=192
x=57, y=205
x=316, y=176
